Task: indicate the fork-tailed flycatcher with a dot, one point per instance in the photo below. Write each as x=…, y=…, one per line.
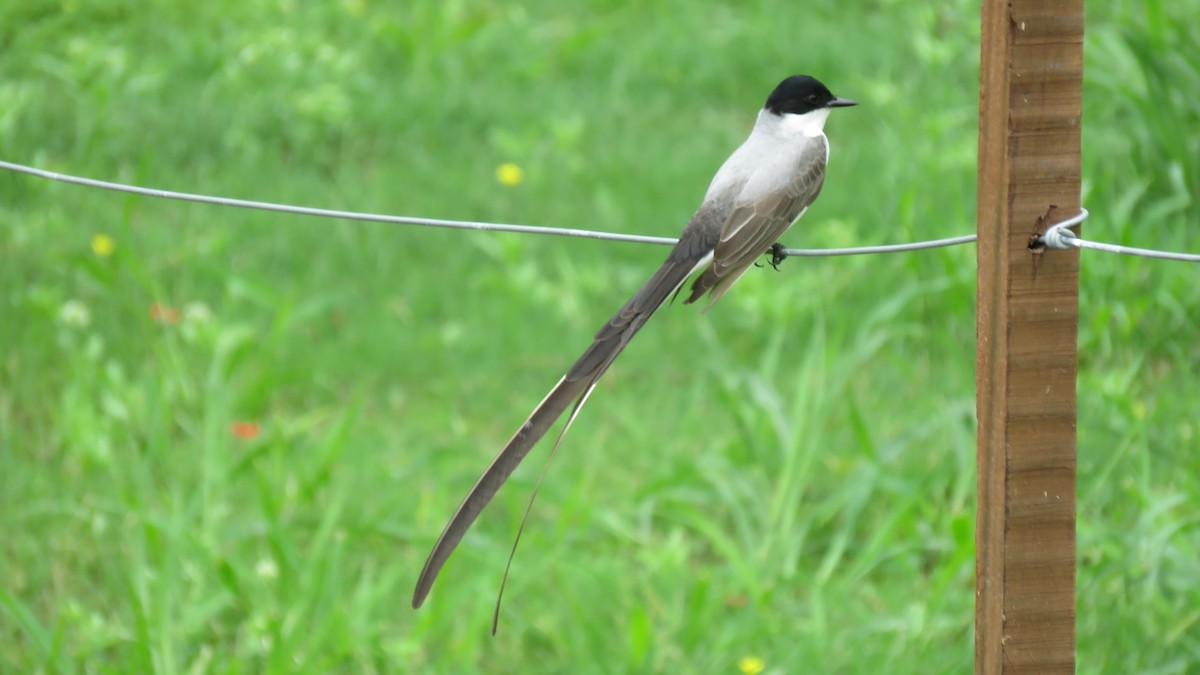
x=763, y=187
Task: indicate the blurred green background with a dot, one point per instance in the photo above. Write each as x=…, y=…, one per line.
x=228, y=439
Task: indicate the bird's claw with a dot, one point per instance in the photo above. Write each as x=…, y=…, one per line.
x=778, y=255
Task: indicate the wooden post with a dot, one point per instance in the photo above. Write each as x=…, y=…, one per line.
x=1030, y=104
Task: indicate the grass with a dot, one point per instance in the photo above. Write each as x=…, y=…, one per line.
x=789, y=477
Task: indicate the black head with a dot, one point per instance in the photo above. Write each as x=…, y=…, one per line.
x=799, y=94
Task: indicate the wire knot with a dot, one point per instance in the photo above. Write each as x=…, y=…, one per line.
x=1059, y=235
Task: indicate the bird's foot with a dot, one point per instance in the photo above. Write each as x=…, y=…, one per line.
x=778, y=255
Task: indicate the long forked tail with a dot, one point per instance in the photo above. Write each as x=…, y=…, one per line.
x=574, y=387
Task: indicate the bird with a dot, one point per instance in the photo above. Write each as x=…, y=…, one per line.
x=760, y=190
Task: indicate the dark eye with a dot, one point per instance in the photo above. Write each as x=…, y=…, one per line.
x=812, y=98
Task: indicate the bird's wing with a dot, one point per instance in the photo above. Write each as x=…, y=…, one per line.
x=764, y=210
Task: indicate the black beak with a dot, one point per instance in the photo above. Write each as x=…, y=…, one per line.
x=840, y=103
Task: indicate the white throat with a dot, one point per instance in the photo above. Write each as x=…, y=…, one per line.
x=809, y=124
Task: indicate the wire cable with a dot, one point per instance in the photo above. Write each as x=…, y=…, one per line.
x=330, y=213
x=1059, y=236
x=437, y=222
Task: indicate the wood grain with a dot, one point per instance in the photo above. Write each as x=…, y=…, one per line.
x=1031, y=85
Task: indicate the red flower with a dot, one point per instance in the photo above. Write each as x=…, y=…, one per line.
x=164, y=313
x=245, y=430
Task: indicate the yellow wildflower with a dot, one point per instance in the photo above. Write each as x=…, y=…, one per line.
x=510, y=174
x=103, y=245
x=751, y=665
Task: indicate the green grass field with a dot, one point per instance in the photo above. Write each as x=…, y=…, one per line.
x=228, y=439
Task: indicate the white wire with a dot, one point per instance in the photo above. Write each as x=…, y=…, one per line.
x=1058, y=236
x=436, y=222
x=889, y=248
x=329, y=213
